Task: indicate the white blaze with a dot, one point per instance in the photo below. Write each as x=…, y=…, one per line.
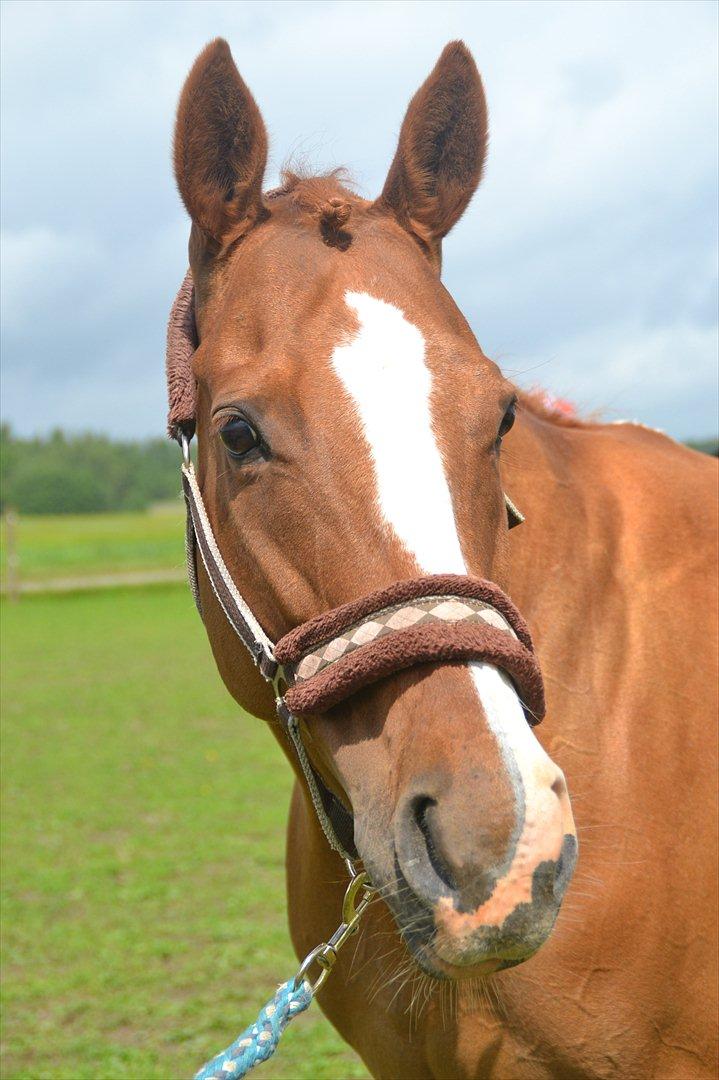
x=384, y=371
x=383, y=368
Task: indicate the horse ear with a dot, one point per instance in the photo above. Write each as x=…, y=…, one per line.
x=220, y=147
x=441, y=150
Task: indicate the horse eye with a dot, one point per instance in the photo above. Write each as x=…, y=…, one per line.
x=507, y=421
x=239, y=437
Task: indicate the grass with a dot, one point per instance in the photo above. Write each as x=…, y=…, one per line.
x=143, y=844
x=73, y=545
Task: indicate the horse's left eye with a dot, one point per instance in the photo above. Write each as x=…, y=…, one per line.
x=239, y=437
x=507, y=421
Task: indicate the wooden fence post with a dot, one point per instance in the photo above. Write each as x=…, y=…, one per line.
x=12, y=559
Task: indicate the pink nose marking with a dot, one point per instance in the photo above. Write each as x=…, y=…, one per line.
x=541, y=840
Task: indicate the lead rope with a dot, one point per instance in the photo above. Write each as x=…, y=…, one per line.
x=258, y=1042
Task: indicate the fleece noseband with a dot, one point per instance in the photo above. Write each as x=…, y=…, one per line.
x=435, y=619
x=446, y=618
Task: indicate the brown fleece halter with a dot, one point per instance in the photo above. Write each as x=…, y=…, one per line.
x=435, y=619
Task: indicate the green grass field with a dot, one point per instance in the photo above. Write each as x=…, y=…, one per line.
x=143, y=837
x=74, y=545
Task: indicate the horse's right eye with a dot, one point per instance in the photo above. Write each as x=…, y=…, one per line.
x=239, y=437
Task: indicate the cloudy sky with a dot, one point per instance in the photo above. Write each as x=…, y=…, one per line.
x=587, y=262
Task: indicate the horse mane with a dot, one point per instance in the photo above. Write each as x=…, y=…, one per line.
x=310, y=190
x=545, y=406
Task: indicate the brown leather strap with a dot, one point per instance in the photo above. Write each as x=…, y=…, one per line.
x=335, y=820
x=237, y=611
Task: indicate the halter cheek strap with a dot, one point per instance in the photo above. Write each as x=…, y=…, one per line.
x=335, y=820
x=199, y=537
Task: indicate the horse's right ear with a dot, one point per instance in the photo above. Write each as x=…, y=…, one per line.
x=220, y=148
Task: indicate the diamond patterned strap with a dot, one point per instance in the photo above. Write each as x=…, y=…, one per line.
x=437, y=619
x=435, y=609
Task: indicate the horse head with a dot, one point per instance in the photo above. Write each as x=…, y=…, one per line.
x=350, y=435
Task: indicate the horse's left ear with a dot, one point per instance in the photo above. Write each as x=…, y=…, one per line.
x=441, y=151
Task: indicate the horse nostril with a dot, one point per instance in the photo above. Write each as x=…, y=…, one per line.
x=442, y=851
x=422, y=810
x=420, y=806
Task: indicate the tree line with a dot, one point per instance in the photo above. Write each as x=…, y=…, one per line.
x=80, y=474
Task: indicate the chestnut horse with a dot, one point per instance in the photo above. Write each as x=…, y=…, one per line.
x=352, y=434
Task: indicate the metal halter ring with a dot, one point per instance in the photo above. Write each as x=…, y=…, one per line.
x=185, y=444
x=356, y=899
x=279, y=682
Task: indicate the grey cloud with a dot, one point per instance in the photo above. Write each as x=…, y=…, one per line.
x=587, y=261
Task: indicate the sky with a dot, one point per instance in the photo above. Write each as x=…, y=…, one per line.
x=586, y=263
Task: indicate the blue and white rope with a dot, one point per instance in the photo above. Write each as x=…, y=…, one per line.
x=259, y=1042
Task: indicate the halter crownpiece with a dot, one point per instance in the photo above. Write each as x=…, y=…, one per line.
x=446, y=618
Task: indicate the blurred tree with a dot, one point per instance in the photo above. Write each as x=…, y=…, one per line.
x=705, y=446
x=45, y=487
x=84, y=473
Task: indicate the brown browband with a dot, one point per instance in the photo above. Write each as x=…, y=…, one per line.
x=434, y=619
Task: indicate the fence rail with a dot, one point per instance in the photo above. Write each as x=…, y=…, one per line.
x=77, y=553
x=17, y=588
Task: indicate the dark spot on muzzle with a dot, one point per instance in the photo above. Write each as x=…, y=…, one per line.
x=529, y=925
x=521, y=933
